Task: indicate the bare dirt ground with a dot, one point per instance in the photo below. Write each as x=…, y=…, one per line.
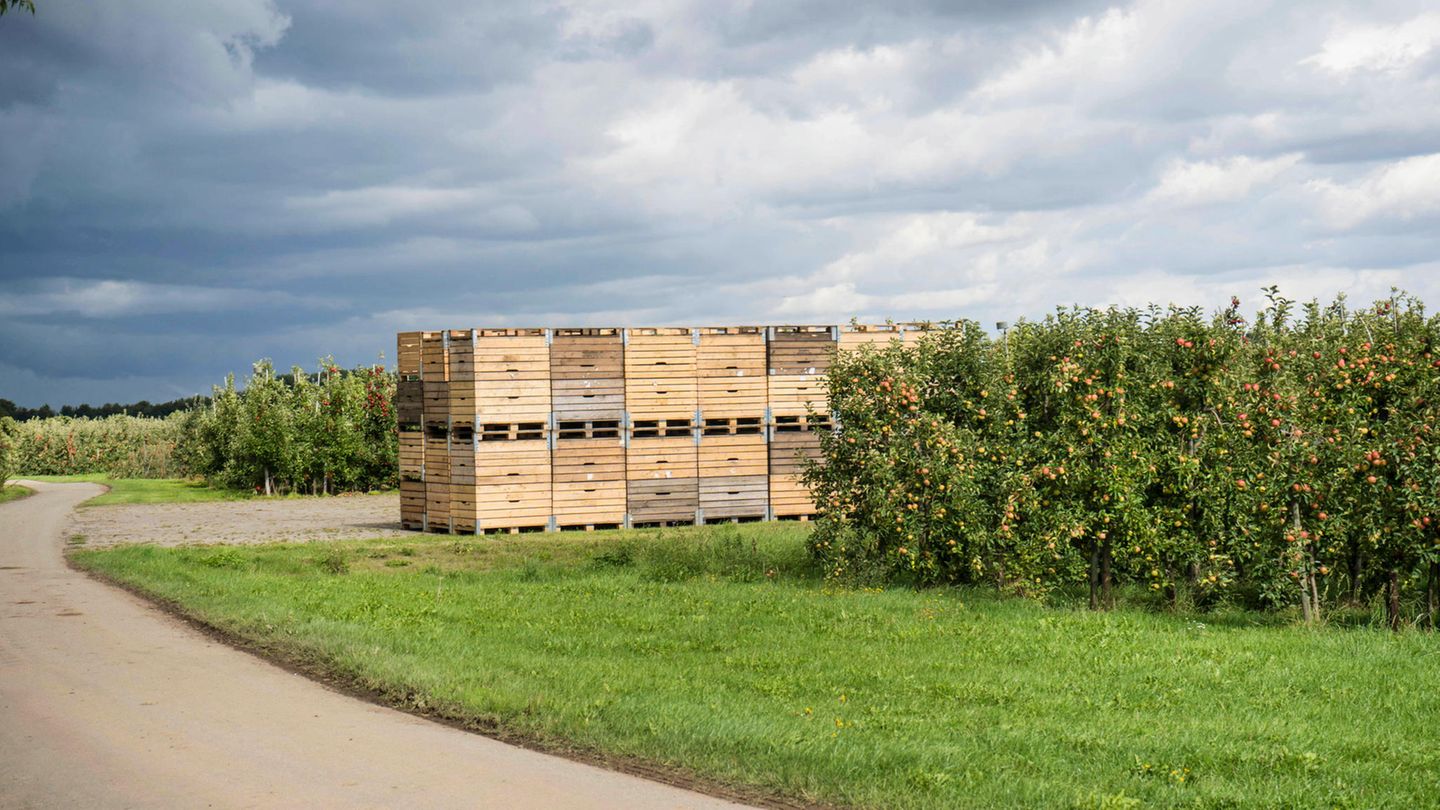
x=105, y=701
x=257, y=521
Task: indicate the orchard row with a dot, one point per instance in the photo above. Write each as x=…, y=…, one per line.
x=1287, y=460
x=331, y=431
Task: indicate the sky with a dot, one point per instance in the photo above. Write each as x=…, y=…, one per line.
x=186, y=187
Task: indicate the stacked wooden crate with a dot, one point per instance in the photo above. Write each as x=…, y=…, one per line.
x=661, y=404
x=435, y=413
x=409, y=419
x=460, y=395
x=798, y=359
x=511, y=400
x=587, y=391
x=512, y=429
x=730, y=368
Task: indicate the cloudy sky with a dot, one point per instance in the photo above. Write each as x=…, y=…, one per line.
x=188, y=186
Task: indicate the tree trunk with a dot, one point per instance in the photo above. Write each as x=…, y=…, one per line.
x=1432, y=594
x=1094, y=574
x=1106, y=592
x=1392, y=598
x=269, y=487
x=1307, y=607
x=1174, y=586
x=1352, y=565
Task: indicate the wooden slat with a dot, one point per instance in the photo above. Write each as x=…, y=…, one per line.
x=791, y=394
x=407, y=355
x=725, y=456
x=663, y=501
x=588, y=461
x=734, y=495
x=663, y=458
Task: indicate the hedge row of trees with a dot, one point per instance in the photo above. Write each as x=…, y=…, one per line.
x=9, y=448
x=332, y=431
x=1287, y=460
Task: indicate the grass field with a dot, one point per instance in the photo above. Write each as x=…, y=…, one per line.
x=717, y=652
x=13, y=492
x=147, y=490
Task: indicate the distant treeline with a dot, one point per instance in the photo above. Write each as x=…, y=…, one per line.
x=142, y=408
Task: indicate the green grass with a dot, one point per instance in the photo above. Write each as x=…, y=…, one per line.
x=716, y=651
x=147, y=490
x=13, y=492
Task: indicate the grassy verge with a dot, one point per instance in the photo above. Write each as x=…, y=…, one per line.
x=13, y=492
x=714, y=651
x=147, y=490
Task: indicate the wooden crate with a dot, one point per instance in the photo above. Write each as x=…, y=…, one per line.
x=511, y=372
x=663, y=500
x=409, y=403
x=796, y=394
x=435, y=409
x=434, y=357
x=412, y=455
x=437, y=455
x=512, y=484
x=462, y=508
x=589, y=482
x=730, y=369
x=412, y=504
x=800, y=349
x=462, y=457
x=661, y=458
x=586, y=399
x=789, y=451
x=733, y=455
x=790, y=498
x=587, y=354
x=734, y=496
x=853, y=336
x=460, y=371
x=660, y=373
x=437, y=480
x=587, y=374
x=407, y=355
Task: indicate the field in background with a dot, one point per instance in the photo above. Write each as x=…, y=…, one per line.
x=147, y=490
x=717, y=651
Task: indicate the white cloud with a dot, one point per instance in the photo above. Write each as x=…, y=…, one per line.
x=1220, y=181
x=1402, y=190
x=1357, y=47
x=1090, y=48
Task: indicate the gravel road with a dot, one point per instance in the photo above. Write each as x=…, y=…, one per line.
x=257, y=521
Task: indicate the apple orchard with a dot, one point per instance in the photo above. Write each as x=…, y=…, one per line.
x=1289, y=460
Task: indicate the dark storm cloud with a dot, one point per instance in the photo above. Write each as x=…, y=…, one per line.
x=187, y=187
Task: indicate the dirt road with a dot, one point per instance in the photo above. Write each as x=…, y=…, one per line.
x=106, y=702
